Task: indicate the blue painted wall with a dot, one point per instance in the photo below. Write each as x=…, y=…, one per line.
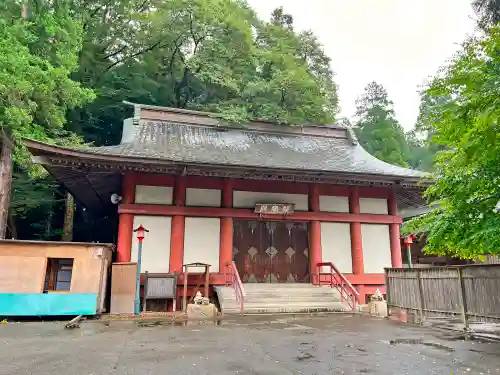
x=37, y=304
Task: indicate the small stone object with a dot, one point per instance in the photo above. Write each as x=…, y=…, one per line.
x=377, y=305
x=201, y=314
x=205, y=301
x=74, y=323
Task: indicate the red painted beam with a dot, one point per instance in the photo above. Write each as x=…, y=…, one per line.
x=244, y=213
x=201, y=182
x=358, y=267
x=271, y=186
x=336, y=190
x=366, y=279
x=394, y=235
x=226, y=228
x=315, y=249
x=126, y=221
x=178, y=227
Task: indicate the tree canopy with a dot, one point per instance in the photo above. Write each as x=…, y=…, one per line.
x=208, y=55
x=488, y=12
x=377, y=129
x=37, y=55
x=467, y=177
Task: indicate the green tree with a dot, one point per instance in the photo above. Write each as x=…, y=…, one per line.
x=422, y=148
x=467, y=177
x=488, y=12
x=208, y=55
x=376, y=127
x=212, y=55
x=39, y=43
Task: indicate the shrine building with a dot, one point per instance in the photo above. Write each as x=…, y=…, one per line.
x=275, y=199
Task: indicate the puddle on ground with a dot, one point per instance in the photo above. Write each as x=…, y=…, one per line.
x=421, y=342
x=182, y=323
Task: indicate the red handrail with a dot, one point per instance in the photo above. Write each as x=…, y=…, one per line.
x=233, y=279
x=336, y=279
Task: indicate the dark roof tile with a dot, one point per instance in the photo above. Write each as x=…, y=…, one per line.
x=185, y=143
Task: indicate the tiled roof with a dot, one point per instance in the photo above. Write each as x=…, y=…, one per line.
x=186, y=143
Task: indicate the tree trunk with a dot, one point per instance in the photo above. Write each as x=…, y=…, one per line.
x=5, y=183
x=48, y=224
x=68, y=218
x=12, y=226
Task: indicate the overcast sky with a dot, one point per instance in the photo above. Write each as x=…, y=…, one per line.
x=398, y=43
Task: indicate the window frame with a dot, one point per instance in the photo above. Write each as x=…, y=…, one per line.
x=52, y=274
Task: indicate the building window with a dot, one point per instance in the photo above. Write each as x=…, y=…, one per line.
x=58, y=274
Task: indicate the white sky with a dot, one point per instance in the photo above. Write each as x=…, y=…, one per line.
x=397, y=43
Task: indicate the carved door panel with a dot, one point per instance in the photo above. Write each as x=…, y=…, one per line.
x=271, y=252
x=250, y=241
x=290, y=253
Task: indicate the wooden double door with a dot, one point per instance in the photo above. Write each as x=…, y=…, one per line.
x=271, y=251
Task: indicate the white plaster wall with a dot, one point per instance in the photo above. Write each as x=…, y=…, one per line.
x=248, y=199
x=203, y=197
x=156, y=245
x=153, y=194
x=333, y=203
x=201, y=241
x=336, y=245
x=376, y=247
x=373, y=206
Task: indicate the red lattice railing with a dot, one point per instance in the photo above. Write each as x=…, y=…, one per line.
x=233, y=279
x=336, y=279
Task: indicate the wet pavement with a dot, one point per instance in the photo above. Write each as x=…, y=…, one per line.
x=331, y=344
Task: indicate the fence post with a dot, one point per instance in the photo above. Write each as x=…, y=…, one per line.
x=387, y=289
x=421, y=305
x=463, y=299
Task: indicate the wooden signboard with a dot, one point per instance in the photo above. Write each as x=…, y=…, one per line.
x=274, y=208
x=161, y=286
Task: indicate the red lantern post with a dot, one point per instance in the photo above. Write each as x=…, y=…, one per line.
x=408, y=240
x=141, y=233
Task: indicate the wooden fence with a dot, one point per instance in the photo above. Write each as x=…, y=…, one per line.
x=470, y=292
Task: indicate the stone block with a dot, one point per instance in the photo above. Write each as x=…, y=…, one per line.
x=201, y=314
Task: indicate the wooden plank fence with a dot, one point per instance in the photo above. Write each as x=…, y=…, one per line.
x=471, y=292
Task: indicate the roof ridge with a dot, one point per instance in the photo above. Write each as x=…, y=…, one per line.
x=213, y=119
x=297, y=131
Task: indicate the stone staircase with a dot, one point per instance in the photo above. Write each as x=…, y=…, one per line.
x=281, y=298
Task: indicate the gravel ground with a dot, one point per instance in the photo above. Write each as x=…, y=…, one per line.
x=271, y=345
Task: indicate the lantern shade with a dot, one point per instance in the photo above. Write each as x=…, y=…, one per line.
x=141, y=232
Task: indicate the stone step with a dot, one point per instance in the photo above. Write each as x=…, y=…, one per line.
x=280, y=300
x=300, y=306
x=288, y=309
x=276, y=298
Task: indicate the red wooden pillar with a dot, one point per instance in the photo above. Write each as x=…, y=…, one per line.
x=178, y=226
x=396, y=260
x=126, y=221
x=226, y=228
x=315, y=253
x=358, y=267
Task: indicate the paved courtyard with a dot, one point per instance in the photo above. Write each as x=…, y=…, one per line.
x=332, y=344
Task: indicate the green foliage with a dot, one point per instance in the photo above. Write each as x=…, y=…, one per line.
x=207, y=55
x=467, y=175
x=37, y=55
x=377, y=129
x=488, y=12
x=213, y=55
x=422, y=148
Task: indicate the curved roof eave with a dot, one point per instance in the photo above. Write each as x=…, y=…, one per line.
x=41, y=149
